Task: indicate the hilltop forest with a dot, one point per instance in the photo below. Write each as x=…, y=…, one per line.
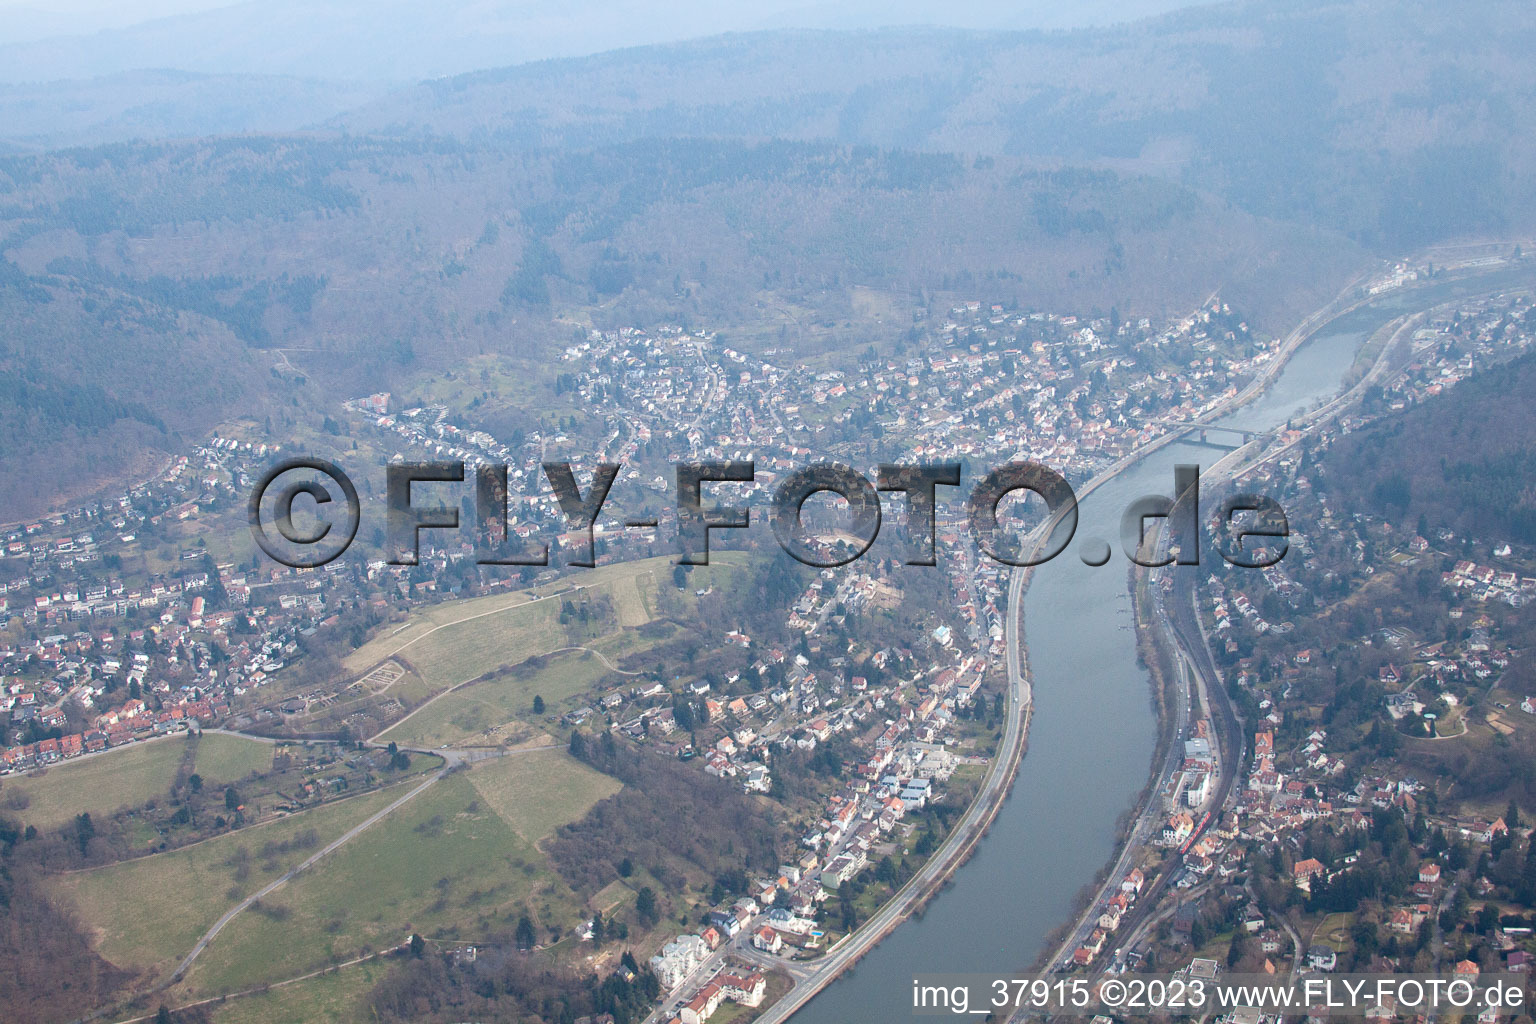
x=755, y=183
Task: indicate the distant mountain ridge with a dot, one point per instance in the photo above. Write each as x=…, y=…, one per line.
x=399, y=40
x=1396, y=121
x=168, y=104
x=166, y=273
x=1262, y=151
x=283, y=65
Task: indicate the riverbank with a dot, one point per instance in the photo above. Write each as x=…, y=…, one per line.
x=1388, y=349
x=1089, y=752
x=958, y=847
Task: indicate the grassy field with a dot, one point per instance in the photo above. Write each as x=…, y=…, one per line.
x=405, y=639
x=144, y=914
x=338, y=997
x=222, y=759
x=99, y=784
x=127, y=777
x=445, y=864
x=466, y=649
x=1333, y=930
x=467, y=713
x=537, y=792
x=457, y=640
x=450, y=644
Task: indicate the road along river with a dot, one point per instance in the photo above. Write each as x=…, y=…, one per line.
x=1093, y=729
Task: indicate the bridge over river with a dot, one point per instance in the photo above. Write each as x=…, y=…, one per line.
x=1213, y=436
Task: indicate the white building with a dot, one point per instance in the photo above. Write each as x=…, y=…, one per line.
x=678, y=959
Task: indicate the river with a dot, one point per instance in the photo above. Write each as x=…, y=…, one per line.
x=1092, y=736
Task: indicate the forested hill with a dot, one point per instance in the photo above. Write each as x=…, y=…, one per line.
x=165, y=104
x=1398, y=122
x=168, y=275
x=285, y=238
x=1265, y=151
x=1464, y=461
x=99, y=386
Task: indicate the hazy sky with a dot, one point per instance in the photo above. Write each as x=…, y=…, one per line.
x=21, y=20
x=399, y=40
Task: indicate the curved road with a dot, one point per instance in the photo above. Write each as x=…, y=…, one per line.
x=281, y=880
x=451, y=759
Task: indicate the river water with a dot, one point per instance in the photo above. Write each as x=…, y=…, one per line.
x=1092, y=735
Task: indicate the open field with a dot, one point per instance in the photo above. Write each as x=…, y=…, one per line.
x=448, y=641
x=445, y=864
x=127, y=777
x=468, y=712
x=335, y=998
x=464, y=650
x=222, y=759
x=1333, y=930
x=537, y=792
x=144, y=914
x=98, y=784
x=406, y=639
x=486, y=634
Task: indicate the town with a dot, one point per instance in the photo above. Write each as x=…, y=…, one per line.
x=126, y=620
x=146, y=615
